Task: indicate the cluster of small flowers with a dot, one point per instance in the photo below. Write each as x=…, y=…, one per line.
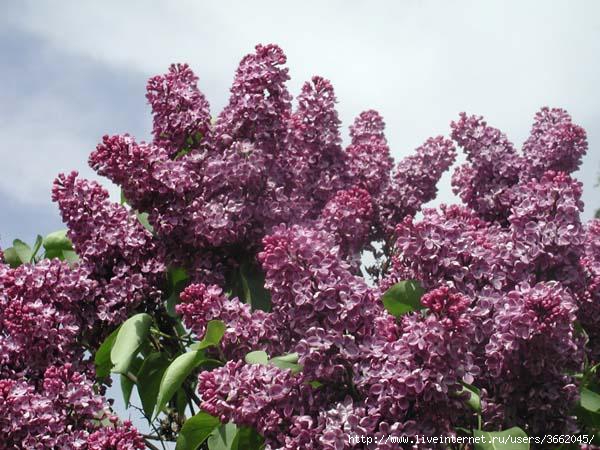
x=114, y=247
x=47, y=396
x=213, y=191
x=508, y=280
x=49, y=313
x=507, y=275
x=520, y=252
x=246, y=330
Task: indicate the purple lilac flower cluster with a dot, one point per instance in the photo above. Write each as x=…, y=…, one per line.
x=47, y=395
x=246, y=330
x=508, y=282
x=113, y=245
x=511, y=276
x=520, y=252
x=261, y=163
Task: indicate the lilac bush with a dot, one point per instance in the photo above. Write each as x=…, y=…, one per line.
x=228, y=288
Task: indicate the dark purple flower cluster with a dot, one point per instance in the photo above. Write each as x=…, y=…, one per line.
x=267, y=189
x=217, y=190
x=532, y=348
x=44, y=309
x=246, y=330
x=589, y=308
x=48, y=316
x=181, y=113
x=520, y=252
x=113, y=246
x=60, y=410
x=493, y=165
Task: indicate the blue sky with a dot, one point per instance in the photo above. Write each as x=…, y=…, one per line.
x=73, y=72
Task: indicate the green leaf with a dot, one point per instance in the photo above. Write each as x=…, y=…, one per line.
x=249, y=439
x=143, y=219
x=123, y=199
x=403, y=297
x=11, y=257
x=289, y=361
x=127, y=384
x=501, y=440
x=36, y=247
x=177, y=275
x=253, y=285
x=474, y=400
x=70, y=256
x=215, y=329
x=149, y=377
x=224, y=438
x=131, y=335
x=57, y=240
x=257, y=357
x=178, y=278
x=589, y=400
x=23, y=250
x=181, y=401
x=102, y=357
x=196, y=430
x=174, y=376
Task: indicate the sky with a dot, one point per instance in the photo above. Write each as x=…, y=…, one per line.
x=74, y=71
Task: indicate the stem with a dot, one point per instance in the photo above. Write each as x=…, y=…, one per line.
x=131, y=377
x=153, y=427
x=151, y=445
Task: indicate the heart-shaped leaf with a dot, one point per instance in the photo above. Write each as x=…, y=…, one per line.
x=403, y=297
x=130, y=337
x=174, y=376
x=196, y=430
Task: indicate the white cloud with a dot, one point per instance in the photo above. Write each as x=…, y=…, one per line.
x=418, y=62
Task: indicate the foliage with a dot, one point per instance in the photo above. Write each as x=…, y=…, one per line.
x=227, y=289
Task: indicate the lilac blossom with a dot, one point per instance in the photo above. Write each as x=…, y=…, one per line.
x=181, y=112
x=245, y=331
x=62, y=413
x=44, y=310
x=414, y=182
x=493, y=166
x=532, y=347
x=555, y=143
x=317, y=161
x=112, y=244
x=369, y=160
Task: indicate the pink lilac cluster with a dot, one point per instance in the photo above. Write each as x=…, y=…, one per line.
x=508, y=274
x=348, y=216
x=533, y=347
x=369, y=385
x=48, y=399
x=508, y=280
x=44, y=309
x=181, y=113
x=414, y=183
x=589, y=308
x=63, y=412
x=214, y=189
x=114, y=247
x=245, y=331
x=494, y=166
x=518, y=249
